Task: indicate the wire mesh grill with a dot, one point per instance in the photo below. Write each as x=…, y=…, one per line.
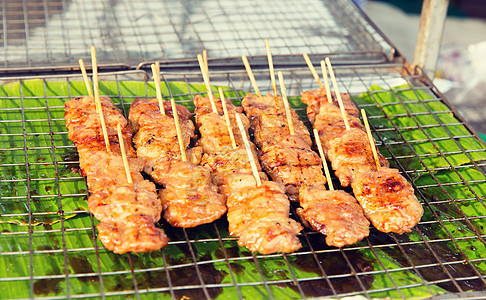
x=40, y=33
x=54, y=253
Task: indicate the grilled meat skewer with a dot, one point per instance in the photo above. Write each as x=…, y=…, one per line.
x=127, y=212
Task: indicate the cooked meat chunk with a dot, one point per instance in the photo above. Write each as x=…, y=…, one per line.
x=268, y=123
x=225, y=164
x=127, y=212
x=203, y=107
x=84, y=126
x=156, y=137
x=189, y=198
x=215, y=137
x=135, y=234
x=316, y=99
x=388, y=200
x=151, y=107
x=335, y=214
x=350, y=154
x=104, y=169
x=259, y=216
x=292, y=166
x=330, y=124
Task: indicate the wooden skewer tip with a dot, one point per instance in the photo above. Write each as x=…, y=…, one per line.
x=326, y=81
x=286, y=103
x=370, y=138
x=123, y=153
x=178, y=130
x=85, y=78
x=313, y=70
x=226, y=117
x=248, y=150
x=323, y=158
x=250, y=75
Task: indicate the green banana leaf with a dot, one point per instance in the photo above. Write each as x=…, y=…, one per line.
x=60, y=255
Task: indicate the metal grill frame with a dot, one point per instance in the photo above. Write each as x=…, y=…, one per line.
x=297, y=80
x=127, y=34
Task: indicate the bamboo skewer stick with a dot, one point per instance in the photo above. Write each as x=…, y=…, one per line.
x=157, y=88
x=323, y=158
x=123, y=153
x=206, y=81
x=85, y=78
x=286, y=103
x=312, y=69
x=250, y=75
x=326, y=82
x=99, y=109
x=226, y=117
x=205, y=59
x=272, y=72
x=178, y=130
x=338, y=95
x=370, y=137
x=248, y=150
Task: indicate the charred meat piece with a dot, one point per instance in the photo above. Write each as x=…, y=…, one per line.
x=335, y=214
x=330, y=124
x=127, y=212
x=226, y=164
x=259, y=216
x=316, y=99
x=268, y=123
x=189, y=198
x=84, y=125
x=156, y=137
x=151, y=107
x=215, y=137
x=292, y=165
x=388, y=200
x=350, y=154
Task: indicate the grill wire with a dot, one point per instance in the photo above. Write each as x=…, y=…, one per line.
x=308, y=272
x=49, y=33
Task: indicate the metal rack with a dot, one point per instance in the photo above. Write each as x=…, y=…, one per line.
x=56, y=33
x=209, y=260
x=424, y=137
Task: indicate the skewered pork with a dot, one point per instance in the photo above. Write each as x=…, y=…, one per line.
x=127, y=212
x=189, y=198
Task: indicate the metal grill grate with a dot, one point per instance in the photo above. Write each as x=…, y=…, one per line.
x=48, y=33
x=420, y=135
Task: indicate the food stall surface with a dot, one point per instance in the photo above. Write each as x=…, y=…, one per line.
x=48, y=238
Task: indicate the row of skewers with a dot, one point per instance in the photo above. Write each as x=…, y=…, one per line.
x=227, y=173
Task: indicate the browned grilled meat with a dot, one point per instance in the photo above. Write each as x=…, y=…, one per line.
x=287, y=159
x=84, y=126
x=127, y=212
x=259, y=216
x=226, y=164
x=292, y=164
x=350, y=154
x=158, y=139
x=189, y=198
x=330, y=124
x=316, y=99
x=388, y=200
x=215, y=137
x=268, y=123
x=335, y=214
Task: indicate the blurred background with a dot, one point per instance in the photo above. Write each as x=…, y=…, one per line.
x=461, y=70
